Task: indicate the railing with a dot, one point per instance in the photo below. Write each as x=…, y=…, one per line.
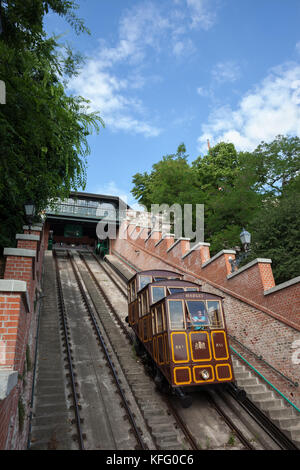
x=87, y=211
x=260, y=358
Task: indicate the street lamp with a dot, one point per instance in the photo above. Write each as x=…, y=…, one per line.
x=30, y=212
x=245, y=238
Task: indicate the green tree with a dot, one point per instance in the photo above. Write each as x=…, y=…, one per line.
x=229, y=196
x=218, y=168
x=275, y=233
x=257, y=190
x=43, y=131
x=171, y=181
x=274, y=165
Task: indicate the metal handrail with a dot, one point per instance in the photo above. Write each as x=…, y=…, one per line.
x=88, y=211
x=260, y=358
x=266, y=380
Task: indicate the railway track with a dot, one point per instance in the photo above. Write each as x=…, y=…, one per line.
x=191, y=440
x=159, y=421
x=62, y=307
x=135, y=429
x=281, y=440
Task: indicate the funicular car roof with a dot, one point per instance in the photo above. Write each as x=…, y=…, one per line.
x=202, y=295
x=155, y=272
x=170, y=283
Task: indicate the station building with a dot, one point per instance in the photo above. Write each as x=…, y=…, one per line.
x=73, y=222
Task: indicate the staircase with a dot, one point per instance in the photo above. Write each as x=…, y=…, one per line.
x=277, y=409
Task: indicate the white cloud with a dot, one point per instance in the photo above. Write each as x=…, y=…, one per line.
x=112, y=78
x=112, y=189
x=271, y=108
x=203, y=91
x=201, y=13
x=183, y=47
x=227, y=71
x=111, y=94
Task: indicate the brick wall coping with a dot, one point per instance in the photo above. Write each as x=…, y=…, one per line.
x=222, y=252
x=15, y=286
x=150, y=234
x=12, y=285
x=19, y=252
x=176, y=243
x=131, y=230
x=165, y=235
x=36, y=228
x=27, y=236
x=201, y=276
x=195, y=247
x=141, y=229
x=8, y=380
x=283, y=285
x=249, y=265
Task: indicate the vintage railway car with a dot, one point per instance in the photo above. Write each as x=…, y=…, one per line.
x=181, y=328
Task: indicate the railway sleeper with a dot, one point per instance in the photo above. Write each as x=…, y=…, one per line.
x=164, y=434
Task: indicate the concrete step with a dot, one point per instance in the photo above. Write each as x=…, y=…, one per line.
x=256, y=388
x=247, y=381
x=242, y=375
x=287, y=422
x=293, y=432
x=272, y=404
x=259, y=396
x=283, y=416
x=277, y=413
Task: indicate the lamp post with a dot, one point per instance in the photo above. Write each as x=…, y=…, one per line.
x=30, y=213
x=245, y=238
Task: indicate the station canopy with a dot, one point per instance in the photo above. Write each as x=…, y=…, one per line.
x=87, y=207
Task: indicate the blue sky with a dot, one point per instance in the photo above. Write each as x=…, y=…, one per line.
x=172, y=71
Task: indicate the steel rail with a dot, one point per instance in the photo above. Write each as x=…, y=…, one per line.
x=191, y=440
x=101, y=339
x=68, y=350
x=118, y=273
x=230, y=423
x=261, y=419
x=266, y=423
x=178, y=419
x=268, y=426
x=106, y=298
x=174, y=412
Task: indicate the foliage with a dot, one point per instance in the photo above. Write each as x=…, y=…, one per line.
x=275, y=231
x=170, y=181
x=43, y=131
x=257, y=190
x=274, y=165
x=218, y=168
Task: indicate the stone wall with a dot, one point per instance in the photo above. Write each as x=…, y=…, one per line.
x=260, y=316
x=20, y=292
